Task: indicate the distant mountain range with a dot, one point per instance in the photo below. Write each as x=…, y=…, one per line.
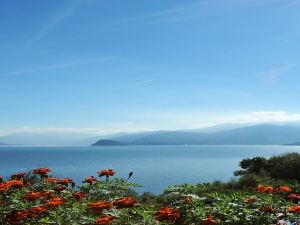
x=227, y=134
x=48, y=138
x=264, y=134
x=293, y=144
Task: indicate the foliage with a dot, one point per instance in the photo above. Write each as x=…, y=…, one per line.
x=197, y=203
x=256, y=198
x=285, y=167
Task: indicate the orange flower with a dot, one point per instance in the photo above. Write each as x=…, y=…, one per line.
x=3, y=188
x=90, y=180
x=105, y=220
x=52, y=179
x=59, y=188
x=32, y=196
x=260, y=188
x=47, y=194
x=269, y=189
x=41, y=171
x=14, y=184
x=265, y=189
x=106, y=173
x=99, y=206
x=126, y=202
x=16, y=217
x=38, y=209
x=54, y=202
x=284, y=189
x=65, y=181
x=79, y=195
x=266, y=209
x=18, y=176
x=250, y=200
x=167, y=214
x=294, y=209
x=294, y=197
x=209, y=221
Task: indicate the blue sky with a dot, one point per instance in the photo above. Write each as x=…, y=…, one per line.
x=105, y=66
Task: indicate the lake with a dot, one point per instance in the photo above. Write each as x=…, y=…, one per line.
x=154, y=167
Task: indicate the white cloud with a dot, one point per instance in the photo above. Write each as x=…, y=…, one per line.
x=161, y=121
x=30, y=129
x=254, y=118
x=103, y=129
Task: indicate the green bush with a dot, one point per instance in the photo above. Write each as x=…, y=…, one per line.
x=35, y=199
x=285, y=167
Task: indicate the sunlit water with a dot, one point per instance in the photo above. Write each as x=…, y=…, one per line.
x=154, y=167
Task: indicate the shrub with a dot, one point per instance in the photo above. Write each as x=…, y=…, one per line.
x=261, y=196
x=285, y=167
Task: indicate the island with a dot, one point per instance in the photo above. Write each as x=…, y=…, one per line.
x=106, y=142
x=293, y=144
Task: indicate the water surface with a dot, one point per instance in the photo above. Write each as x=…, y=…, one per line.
x=154, y=167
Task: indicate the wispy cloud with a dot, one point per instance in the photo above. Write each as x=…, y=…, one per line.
x=175, y=13
x=147, y=81
x=179, y=12
x=188, y=11
x=176, y=9
x=58, y=18
x=273, y=75
x=57, y=66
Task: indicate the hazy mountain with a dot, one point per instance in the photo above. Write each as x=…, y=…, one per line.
x=104, y=142
x=2, y=143
x=132, y=137
x=93, y=139
x=293, y=144
x=221, y=127
x=49, y=138
x=264, y=134
x=173, y=137
x=55, y=138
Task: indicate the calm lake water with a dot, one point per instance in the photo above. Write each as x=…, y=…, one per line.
x=154, y=167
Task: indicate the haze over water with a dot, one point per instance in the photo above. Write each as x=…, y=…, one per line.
x=154, y=167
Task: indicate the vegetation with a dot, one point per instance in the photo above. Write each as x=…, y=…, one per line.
x=266, y=192
x=285, y=167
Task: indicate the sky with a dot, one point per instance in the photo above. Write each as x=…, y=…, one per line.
x=105, y=66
